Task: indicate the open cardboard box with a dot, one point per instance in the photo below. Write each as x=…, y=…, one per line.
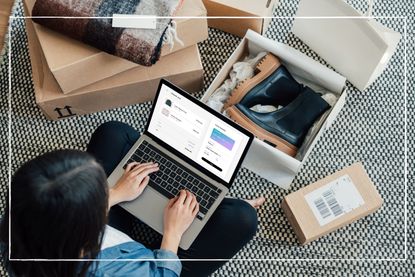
x=248, y=8
x=76, y=65
x=136, y=85
x=263, y=159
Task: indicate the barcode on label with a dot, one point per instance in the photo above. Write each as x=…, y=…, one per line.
x=322, y=207
x=329, y=205
x=334, y=200
x=335, y=208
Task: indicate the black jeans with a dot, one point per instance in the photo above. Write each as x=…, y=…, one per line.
x=231, y=226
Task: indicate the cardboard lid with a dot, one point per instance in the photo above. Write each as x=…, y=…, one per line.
x=358, y=48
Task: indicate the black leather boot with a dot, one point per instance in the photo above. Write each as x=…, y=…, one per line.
x=287, y=127
x=272, y=85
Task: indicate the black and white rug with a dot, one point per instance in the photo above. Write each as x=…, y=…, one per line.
x=370, y=128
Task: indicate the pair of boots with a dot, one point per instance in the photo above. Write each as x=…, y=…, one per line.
x=287, y=127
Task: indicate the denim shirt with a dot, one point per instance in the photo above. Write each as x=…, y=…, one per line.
x=134, y=250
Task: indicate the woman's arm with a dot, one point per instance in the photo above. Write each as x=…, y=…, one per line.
x=178, y=215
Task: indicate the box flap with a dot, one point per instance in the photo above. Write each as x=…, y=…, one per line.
x=255, y=8
x=186, y=60
x=191, y=8
x=357, y=47
x=189, y=30
x=240, y=15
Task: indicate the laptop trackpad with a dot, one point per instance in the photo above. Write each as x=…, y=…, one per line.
x=149, y=208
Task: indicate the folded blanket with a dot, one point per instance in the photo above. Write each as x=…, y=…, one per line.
x=142, y=46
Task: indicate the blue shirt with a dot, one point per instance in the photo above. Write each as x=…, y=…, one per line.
x=134, y=250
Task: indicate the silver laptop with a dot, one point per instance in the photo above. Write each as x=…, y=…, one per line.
x=197, y=149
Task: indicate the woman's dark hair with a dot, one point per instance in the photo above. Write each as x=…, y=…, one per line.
x=59, y=204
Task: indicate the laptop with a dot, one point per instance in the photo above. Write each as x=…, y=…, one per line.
x=197, y=149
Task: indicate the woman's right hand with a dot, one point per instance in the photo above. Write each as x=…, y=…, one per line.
x=178, y=215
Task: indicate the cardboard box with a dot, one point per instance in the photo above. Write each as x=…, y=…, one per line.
x=82, y=65
x=5, y=8
x=248, y=8
x=331, y=203
x=136, y=85
x=357, y=39
x=263, y=159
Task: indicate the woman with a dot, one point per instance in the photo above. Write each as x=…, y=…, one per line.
x=59, y=210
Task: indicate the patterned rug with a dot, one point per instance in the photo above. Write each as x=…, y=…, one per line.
x=370, y=128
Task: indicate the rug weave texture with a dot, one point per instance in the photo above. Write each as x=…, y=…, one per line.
x=370, y=128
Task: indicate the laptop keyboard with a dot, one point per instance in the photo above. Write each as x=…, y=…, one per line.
x=173, y=177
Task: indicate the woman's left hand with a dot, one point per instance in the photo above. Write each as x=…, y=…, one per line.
x=132, y=183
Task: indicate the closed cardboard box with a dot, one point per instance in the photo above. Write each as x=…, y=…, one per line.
x=136, y=85
x=246, y=8
x=76, y=65
x=331, y=203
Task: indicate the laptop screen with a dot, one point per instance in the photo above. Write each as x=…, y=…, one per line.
x=197, y=133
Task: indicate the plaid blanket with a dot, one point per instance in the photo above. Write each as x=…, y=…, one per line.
x=142, y=46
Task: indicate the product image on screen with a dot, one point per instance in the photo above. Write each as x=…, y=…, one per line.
x=196, y=133
x=222, y=139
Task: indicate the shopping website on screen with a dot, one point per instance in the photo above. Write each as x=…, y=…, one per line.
x=196, y=133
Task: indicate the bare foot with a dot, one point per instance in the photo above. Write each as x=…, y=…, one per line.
x=257, y=202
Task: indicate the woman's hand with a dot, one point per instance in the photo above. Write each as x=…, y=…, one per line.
x=178, y=215
x=132, y=183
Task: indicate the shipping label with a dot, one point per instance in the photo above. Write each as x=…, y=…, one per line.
x=333, y=200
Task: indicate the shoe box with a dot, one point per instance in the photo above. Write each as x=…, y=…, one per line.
x=357, y=39
x=236, y=8
x=82, y=65
x=135, y=85
x=327, y=37
x=331, y=203
x=263, y=159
